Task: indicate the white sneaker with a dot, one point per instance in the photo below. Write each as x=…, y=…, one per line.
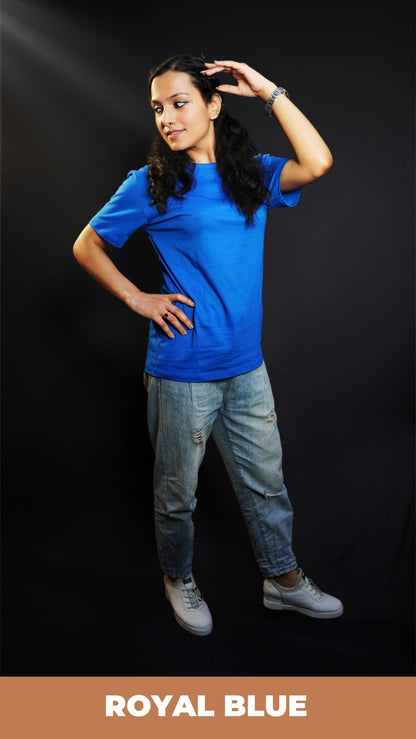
x=304, y=597
x=189, y=607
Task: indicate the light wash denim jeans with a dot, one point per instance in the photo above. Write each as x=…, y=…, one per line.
x=240, y=413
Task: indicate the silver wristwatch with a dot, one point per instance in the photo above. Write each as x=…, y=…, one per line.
x=275, y=94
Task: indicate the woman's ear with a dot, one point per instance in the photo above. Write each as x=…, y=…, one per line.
x=215, y=105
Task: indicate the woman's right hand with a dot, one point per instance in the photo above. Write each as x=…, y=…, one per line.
x=161, y=310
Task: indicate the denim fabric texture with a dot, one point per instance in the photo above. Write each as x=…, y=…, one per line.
x=240, y=414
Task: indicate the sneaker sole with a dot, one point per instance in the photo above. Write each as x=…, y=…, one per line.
x=276, y=606
x=197, y=631
x=203, y=631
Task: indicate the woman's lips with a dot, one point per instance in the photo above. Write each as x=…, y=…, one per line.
x=174, y=134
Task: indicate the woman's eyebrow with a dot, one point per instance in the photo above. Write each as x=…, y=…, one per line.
x=175, y=94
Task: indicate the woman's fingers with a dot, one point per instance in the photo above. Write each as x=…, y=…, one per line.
x=179, y=298
x=215, y=67
x=226, y=64
x=178, y=319
x=160, y=309
x=173, y=316
x=168, y=320
x=249, y=82
x=233, y=89
x=175, y=311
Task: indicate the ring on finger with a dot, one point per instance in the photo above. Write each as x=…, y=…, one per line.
x=166, y=315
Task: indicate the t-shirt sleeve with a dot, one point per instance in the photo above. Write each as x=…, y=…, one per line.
x=126, y=211
x=273, y=169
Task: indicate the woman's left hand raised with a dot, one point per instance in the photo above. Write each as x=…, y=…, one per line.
x=249, y=82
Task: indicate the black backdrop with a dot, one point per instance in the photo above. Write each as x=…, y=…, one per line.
x=82, y=590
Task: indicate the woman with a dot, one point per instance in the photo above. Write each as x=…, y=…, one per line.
x=203, y=199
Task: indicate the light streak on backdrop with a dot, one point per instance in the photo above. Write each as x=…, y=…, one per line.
x=77, y=53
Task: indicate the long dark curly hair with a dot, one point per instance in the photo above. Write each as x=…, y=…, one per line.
x=171, y=173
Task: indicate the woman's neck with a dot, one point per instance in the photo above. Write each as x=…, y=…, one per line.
x=200, y=157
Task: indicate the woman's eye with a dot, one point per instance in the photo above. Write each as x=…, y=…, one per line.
x=157, y=110
x=180, y=103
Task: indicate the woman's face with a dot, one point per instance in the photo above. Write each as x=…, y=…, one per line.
x=183, y=118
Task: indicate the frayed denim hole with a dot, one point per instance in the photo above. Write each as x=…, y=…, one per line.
x=198, y=436
x=266, y=495
x=272, y=416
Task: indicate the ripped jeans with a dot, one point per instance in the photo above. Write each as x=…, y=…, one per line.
x=239, y=411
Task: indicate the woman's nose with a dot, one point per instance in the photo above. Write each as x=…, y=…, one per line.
x=167, y=117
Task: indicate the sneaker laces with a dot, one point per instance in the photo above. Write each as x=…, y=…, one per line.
x=312, y=586
x=193, y=597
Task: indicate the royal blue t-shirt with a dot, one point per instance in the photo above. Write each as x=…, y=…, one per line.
x=209, y=254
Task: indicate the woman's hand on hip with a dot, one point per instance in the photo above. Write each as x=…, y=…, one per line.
x=160, y=309
x=249, y=82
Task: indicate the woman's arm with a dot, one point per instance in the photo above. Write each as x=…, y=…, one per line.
x=312, y=156
x=89, y=251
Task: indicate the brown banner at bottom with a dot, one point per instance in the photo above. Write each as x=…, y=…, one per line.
x=124, y=707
